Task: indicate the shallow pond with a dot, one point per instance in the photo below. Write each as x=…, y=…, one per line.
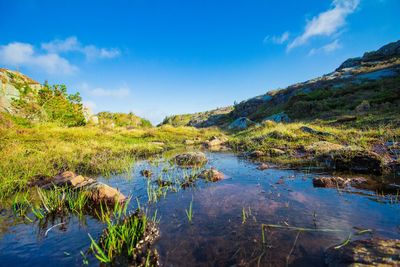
x=218, y=234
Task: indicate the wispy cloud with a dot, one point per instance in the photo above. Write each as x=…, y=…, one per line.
x=277, y=39
x=326, y=23
x=119, y=92
x=25, y=55
x=72, y=44
x=328, y=48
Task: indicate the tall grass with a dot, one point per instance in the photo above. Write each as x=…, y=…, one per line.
x=46, y=149
x=122, y=233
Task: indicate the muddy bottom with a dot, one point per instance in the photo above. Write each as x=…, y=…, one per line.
x=226, y=228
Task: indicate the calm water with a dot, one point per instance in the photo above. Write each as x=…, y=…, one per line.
x=217, y=235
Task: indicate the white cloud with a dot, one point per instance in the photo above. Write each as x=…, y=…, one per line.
x=326, y=23
x=328, y=48
x=24, y=55
x=119, y=92
x=277, y=39
x=72, y=44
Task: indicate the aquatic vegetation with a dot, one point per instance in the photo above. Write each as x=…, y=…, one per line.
x=122, y=234
x=189, y=212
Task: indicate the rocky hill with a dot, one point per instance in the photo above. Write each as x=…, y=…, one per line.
x=360, y=87
x=9, y=82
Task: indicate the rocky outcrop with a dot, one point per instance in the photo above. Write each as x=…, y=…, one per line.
x=263, y=166
x=278, y=117
x=241, y=123
x=190, y=159
x=370, y=252
x=10, y=81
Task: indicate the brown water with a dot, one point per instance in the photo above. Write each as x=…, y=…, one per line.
x=217, y=235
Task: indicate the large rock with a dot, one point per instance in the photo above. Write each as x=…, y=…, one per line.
x=100, y=192
x=278, y=117
x=212, y=175
x=370, y=252
x=354, y=160
x=215, y=142
x=190, y=159
x=241, y=123
x=339, y=182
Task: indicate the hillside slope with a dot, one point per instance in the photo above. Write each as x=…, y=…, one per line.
x=360, y=87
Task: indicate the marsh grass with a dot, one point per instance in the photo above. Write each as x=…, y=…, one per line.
x=122, y=234
x=189, y=212
x=44, y=150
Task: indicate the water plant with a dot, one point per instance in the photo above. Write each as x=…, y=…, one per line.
x=122, y=234
x=189, y=212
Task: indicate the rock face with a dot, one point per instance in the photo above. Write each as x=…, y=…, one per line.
x=190, y=159
x=212, y=175
x=370, y=252
x=9, y=81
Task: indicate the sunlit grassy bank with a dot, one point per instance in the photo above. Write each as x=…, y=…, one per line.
x=45, y=149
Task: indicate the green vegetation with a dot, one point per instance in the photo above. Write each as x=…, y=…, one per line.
x=129, y=120
x=122, y=234
x=189, y=212
x=49, y=104
x=287, y=143
x=43, y=150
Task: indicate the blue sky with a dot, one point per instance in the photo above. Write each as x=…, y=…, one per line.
x=157, y=58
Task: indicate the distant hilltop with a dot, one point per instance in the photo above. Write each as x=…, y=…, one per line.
x=359, y=86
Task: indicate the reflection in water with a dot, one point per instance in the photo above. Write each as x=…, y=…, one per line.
x=217, y=236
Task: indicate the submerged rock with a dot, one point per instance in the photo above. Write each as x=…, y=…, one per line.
x=146, y=173
x=370, y=252
x=212, y=175
x=263, y=166
x=339, y=182
x=100, y=192
x=190, y=159
x=330, y=182
x=256, y=154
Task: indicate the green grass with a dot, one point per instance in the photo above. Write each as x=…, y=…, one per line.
x=189, y=212
x=46, y=149
x=291, y=139
x=122, y=234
